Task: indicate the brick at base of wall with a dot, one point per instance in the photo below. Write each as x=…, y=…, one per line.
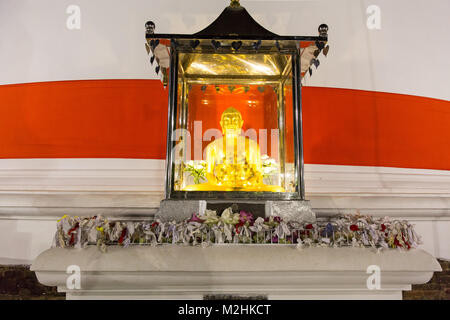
x=438, y=288
x=19, y=283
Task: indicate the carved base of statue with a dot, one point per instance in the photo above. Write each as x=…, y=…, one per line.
x=288, y=210
x=212, y=187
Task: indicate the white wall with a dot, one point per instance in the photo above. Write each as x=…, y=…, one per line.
x=407, y=55
x=34, y=193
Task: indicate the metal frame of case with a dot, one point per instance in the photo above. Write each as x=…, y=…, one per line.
x=236, y=32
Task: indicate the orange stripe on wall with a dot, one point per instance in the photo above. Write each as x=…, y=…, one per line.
x=354, y=127
x=127, y=119
x=83, y=119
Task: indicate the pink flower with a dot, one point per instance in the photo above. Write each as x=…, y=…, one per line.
x=245, y=216
x=277, y=219
x=195, y=218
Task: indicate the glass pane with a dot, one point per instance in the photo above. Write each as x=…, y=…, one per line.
x=231, y=126
x=289, y=172
x=207, y=64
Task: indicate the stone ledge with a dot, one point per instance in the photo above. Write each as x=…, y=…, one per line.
x=438, y=288
x=278, y=271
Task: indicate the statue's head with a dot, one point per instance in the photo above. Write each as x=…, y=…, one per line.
x=231, y=120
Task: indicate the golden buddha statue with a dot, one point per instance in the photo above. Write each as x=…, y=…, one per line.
x=233, y=161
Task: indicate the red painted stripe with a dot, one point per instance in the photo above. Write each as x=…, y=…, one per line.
x=127, y=119
x=353, y=127
x=83, y=119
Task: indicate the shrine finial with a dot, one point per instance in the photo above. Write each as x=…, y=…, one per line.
x=235, y=3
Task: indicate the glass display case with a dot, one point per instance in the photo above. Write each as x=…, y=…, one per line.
x=234, y=118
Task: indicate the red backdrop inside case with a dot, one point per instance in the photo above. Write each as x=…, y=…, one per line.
x=257, y=105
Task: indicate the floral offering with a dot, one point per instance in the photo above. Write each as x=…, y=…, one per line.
x=237, y=228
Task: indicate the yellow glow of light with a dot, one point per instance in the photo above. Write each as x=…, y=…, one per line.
x=257, y=67
x=202, y=67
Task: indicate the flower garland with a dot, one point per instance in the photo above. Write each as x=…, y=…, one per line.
x=239, y=228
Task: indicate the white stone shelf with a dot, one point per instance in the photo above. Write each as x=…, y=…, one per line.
x=278, y=271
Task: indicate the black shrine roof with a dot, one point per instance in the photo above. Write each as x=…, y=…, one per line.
x=235, y=23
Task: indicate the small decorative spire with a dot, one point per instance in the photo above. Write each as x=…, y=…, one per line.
x=235, y=3
x=150, y=27
x=323, y=30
